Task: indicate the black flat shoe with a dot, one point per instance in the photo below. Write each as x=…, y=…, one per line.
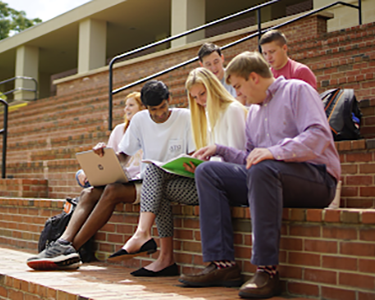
x=147, y=248
x=172, y=270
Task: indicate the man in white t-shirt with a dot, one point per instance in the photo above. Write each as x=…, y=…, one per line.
x=162, y=133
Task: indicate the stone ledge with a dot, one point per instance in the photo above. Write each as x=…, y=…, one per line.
x=340, y=215
x=24, y=187
x=361, y=144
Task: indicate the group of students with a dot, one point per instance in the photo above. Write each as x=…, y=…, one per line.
x=276, y=152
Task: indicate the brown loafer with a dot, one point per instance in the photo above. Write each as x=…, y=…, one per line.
x=211, y=276
x=262, y=285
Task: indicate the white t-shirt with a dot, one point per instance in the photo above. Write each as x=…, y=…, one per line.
x=116, y=136
x=133, y=167
x=159, y=141
x=230, y=128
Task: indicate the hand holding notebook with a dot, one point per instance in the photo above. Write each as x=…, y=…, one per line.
x=176, y=165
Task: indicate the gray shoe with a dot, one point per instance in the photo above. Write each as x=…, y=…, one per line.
x=56, y=257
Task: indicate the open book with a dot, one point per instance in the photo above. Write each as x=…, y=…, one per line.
x=176, y=165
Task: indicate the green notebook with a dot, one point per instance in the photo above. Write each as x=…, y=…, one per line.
x=176, y=165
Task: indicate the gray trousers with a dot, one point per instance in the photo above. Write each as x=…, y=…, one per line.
x=266, y=187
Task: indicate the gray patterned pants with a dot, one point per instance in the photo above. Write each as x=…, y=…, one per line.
x=159, y=189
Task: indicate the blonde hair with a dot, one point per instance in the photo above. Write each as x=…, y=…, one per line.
x=218, y=100
x=245, y=63
x=137, y=97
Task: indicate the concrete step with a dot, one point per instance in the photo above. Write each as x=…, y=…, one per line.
x=58, y=141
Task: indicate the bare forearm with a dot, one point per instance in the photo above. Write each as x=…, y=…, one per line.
x=123, y=158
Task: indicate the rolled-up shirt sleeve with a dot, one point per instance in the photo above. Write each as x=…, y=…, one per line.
x=312, y=135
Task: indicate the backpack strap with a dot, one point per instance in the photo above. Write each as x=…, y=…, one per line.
x=326, y=93
x=349, y=96
x=72, y=201
x=331, y=100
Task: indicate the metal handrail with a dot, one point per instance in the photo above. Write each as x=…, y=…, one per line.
x=112, y=92
x=259, y=33
x=35, y=90
x=4, y=132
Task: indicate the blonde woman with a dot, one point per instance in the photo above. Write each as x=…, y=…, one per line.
x=95, y=207
x=227, y=117
x=216, y=117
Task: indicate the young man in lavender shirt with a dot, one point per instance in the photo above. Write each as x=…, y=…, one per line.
x=290, y=161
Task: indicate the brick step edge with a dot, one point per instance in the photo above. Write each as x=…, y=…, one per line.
x=365, y=216
x=15, y=288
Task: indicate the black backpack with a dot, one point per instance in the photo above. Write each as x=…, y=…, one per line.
x=343, y=113
x=56, y=225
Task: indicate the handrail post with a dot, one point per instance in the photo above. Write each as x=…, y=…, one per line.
x=21, y=88
x=360, y=12
x=110, y=96
x=5, y=135
x=36, y=88
x=259, y=28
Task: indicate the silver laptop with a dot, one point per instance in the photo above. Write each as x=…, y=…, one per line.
x=102, y=170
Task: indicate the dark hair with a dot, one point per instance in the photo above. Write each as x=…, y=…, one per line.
x=273, y=36
x=154, y=92
x=207, y=49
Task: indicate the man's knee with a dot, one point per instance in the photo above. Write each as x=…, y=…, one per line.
x=89, y=195
x=204, y=170
x=111, y=189
x=261, y=171
x=116, y=192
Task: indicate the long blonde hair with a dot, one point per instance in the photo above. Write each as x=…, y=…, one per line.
x=137, y=97
x=218, y=100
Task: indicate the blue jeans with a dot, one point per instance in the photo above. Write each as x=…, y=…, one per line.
x=266, y=187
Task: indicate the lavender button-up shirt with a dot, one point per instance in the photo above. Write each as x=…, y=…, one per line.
x=292, y=124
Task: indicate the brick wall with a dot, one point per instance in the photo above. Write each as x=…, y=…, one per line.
x=24, y=188
x=324, y=253
x=344, y=58
x=22, y=220
x=357, y=173
x=368, y=118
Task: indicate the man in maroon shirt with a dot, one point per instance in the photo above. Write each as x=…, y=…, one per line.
x=274, y=50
